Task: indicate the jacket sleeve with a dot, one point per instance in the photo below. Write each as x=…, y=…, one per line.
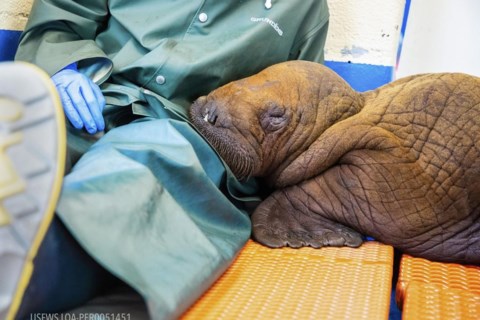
x=312, y=36
x=60, y=32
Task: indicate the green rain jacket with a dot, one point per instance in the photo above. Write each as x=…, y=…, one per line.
x=150, y=200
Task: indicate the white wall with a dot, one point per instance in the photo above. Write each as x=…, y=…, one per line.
x=364, y=31
x=14, y=14
x=441, y=36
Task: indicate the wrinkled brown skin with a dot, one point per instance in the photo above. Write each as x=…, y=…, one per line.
x=400, y=163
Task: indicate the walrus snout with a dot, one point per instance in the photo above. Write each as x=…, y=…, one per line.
x=207, y=112
x=204, y=110
x=211, y=117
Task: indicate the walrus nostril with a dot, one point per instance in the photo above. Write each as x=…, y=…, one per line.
x=212, y=118
x=210, y=115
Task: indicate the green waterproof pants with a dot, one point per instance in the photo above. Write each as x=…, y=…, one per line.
x=148, y=202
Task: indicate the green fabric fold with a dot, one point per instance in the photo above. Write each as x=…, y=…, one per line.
x=168, y=240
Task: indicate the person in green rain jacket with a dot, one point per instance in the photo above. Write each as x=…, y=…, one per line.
x=148, y=198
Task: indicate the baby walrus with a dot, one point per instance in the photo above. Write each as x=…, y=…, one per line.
x=400, y=163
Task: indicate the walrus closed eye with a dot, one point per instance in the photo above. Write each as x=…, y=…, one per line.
x=400, y=163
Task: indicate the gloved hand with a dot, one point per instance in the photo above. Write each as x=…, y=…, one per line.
x=82, y=100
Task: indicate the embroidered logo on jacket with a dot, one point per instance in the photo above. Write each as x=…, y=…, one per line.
x=270, y=22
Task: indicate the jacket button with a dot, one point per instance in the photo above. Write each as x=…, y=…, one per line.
x=203, y=17
x=160, y=79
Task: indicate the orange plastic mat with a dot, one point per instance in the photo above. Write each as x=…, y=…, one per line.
x=434, y=290
x=327, y=283
x=434, y=302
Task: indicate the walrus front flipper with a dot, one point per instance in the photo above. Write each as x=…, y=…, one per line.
x=281, y=221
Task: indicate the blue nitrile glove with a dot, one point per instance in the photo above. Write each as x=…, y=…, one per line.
x=82, y=100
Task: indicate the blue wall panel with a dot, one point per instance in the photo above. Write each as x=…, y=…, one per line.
x=362, y=77
x=8, y=44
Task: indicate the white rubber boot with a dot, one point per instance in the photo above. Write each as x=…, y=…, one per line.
x=32, y=160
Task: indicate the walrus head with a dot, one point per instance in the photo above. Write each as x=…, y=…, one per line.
x=260, y=124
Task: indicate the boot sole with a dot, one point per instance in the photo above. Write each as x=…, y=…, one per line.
x=32, y=161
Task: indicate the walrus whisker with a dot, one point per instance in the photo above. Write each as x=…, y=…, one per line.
x=244, y=170
x=240, y=162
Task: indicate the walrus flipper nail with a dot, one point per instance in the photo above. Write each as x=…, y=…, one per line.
x=284, y=220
